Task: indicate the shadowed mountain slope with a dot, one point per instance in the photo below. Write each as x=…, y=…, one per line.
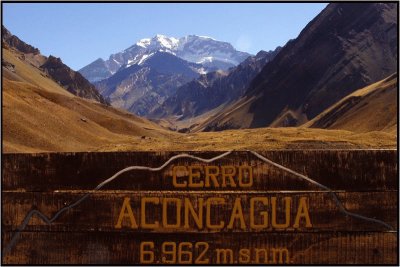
x=346, y=47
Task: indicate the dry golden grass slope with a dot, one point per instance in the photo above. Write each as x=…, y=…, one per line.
x=40, y=116
x=372, y=108
x=262, y=139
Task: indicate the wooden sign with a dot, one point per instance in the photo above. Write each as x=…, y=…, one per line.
x=240, y=207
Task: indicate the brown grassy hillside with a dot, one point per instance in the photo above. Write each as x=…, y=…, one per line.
x=39, y=115
x=372, y=108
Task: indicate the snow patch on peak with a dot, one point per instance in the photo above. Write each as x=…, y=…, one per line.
x=144, y=42
x=206, y=37
x=144, y=58
x=204, y=50
x=167, y=42
x=202, y=71
x=205, y=59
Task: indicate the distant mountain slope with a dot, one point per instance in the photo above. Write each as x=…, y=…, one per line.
x=96, y=71
x=71, y=80
x=40, y=115
x=346, y=47
x=372, y=108
x=142, y=88
x=210, y=53
x=213, y=89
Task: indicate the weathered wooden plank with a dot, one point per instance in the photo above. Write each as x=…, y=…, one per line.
x=100, y=211
x=124, y=248
x=364, y=181
x=359, y=170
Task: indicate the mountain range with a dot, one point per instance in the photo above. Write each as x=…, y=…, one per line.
x=140, y=78
x=335, y=85
x=46, y=106
x=141, y=88
x=206, y=51
x=212, y=90
x=346, y=47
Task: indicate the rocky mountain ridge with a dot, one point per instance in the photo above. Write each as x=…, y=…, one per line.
x=69, y=79
x=346, y=47
x=208, y=52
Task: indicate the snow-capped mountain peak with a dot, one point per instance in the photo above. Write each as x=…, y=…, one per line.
x=212, y=54
x=167, y=42
x=144, y=42
x=159, y=41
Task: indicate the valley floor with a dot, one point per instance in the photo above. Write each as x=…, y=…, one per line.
x=257, y=139
x=244, y=139
x=41, y=116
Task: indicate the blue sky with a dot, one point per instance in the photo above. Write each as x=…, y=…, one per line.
x=79, y=33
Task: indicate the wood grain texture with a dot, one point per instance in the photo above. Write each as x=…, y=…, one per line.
x=123, y=247
x=101, y=210
x=359, y=170
x=364, y=181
